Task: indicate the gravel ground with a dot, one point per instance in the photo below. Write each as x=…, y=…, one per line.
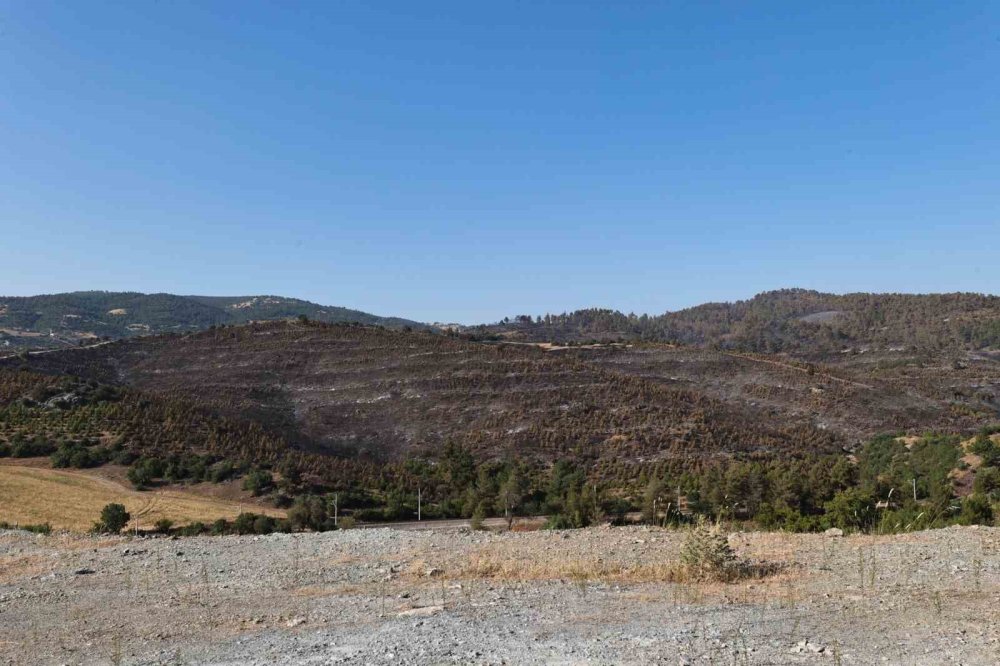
x=580, y=597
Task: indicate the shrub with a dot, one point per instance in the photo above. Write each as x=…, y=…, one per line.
x=193, y=529
x=264, y=525
x=987, y=481
x=145, y=471
x=244, y=523
x=221, y=471
x=32, y=448
x=311, y=512
x=852, y=508
x=76, y=454
x=986, y=449
x=258, y=482
x=558, y=521
x=163, y=525
x=478, y=516
x=42, y=528
x=114, y=517
x=706, y=554
x=976, y=510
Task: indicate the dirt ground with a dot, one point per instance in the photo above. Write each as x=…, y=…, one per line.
x=593, y=596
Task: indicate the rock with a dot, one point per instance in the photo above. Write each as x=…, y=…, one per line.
x=423, y=611
x=295, y=622
x=433, y=571
x=834, y=532
x=84, y=571
x=805, y=646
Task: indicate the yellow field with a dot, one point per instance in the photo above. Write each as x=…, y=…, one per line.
x=73, y=500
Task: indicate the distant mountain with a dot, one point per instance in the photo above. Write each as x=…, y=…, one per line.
x=788, y=320
x=67, y=319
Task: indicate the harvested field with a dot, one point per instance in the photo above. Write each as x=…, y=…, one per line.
x=72, y=500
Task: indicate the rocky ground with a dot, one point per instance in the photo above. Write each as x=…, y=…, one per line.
x=592, y=596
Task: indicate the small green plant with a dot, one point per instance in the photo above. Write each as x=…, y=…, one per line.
x=707, y=555
x=478, y=516
x=164, y=525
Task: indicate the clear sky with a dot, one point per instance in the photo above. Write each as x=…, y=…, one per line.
x=470, y=160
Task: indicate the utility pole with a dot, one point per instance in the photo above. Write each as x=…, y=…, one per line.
x=336, y=504
x=914, y=489
x=419, y=504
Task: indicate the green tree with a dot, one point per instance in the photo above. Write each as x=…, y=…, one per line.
x=258, y=482
x=114, y=518
x=853, y=508
x=976, y=510
x=509, y=496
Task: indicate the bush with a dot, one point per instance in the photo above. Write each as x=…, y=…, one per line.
x=706, y=554
x=258, y=482
x=852, y=508
x=76, y=454
x=42, y=528
x=31, y=448
x=311, y=512
x=986, y=449
x=163, y=525
x=558, y=521
x=145, y=471
x=222, y=471
x=193, y=529
x=114, y=517
x=264, y=525
x=976, y=510
x=244, y=523
x=987, y=482
x=478, y=516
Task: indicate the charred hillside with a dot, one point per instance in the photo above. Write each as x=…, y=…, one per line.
x=373, y=393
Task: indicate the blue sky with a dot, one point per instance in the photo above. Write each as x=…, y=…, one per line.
x=466, y=161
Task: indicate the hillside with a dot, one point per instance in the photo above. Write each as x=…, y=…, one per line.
x=380, y=394
x=796, y=321
x=295, y=408
x=66, y=319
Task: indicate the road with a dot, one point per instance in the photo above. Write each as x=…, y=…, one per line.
x=38, y=352
x=444, y=524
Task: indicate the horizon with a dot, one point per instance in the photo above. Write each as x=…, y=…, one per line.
x=461, y=164
x=512, y=314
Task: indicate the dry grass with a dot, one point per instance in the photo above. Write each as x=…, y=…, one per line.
x=501, y=565
x=73, y=500
x=15, y=567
